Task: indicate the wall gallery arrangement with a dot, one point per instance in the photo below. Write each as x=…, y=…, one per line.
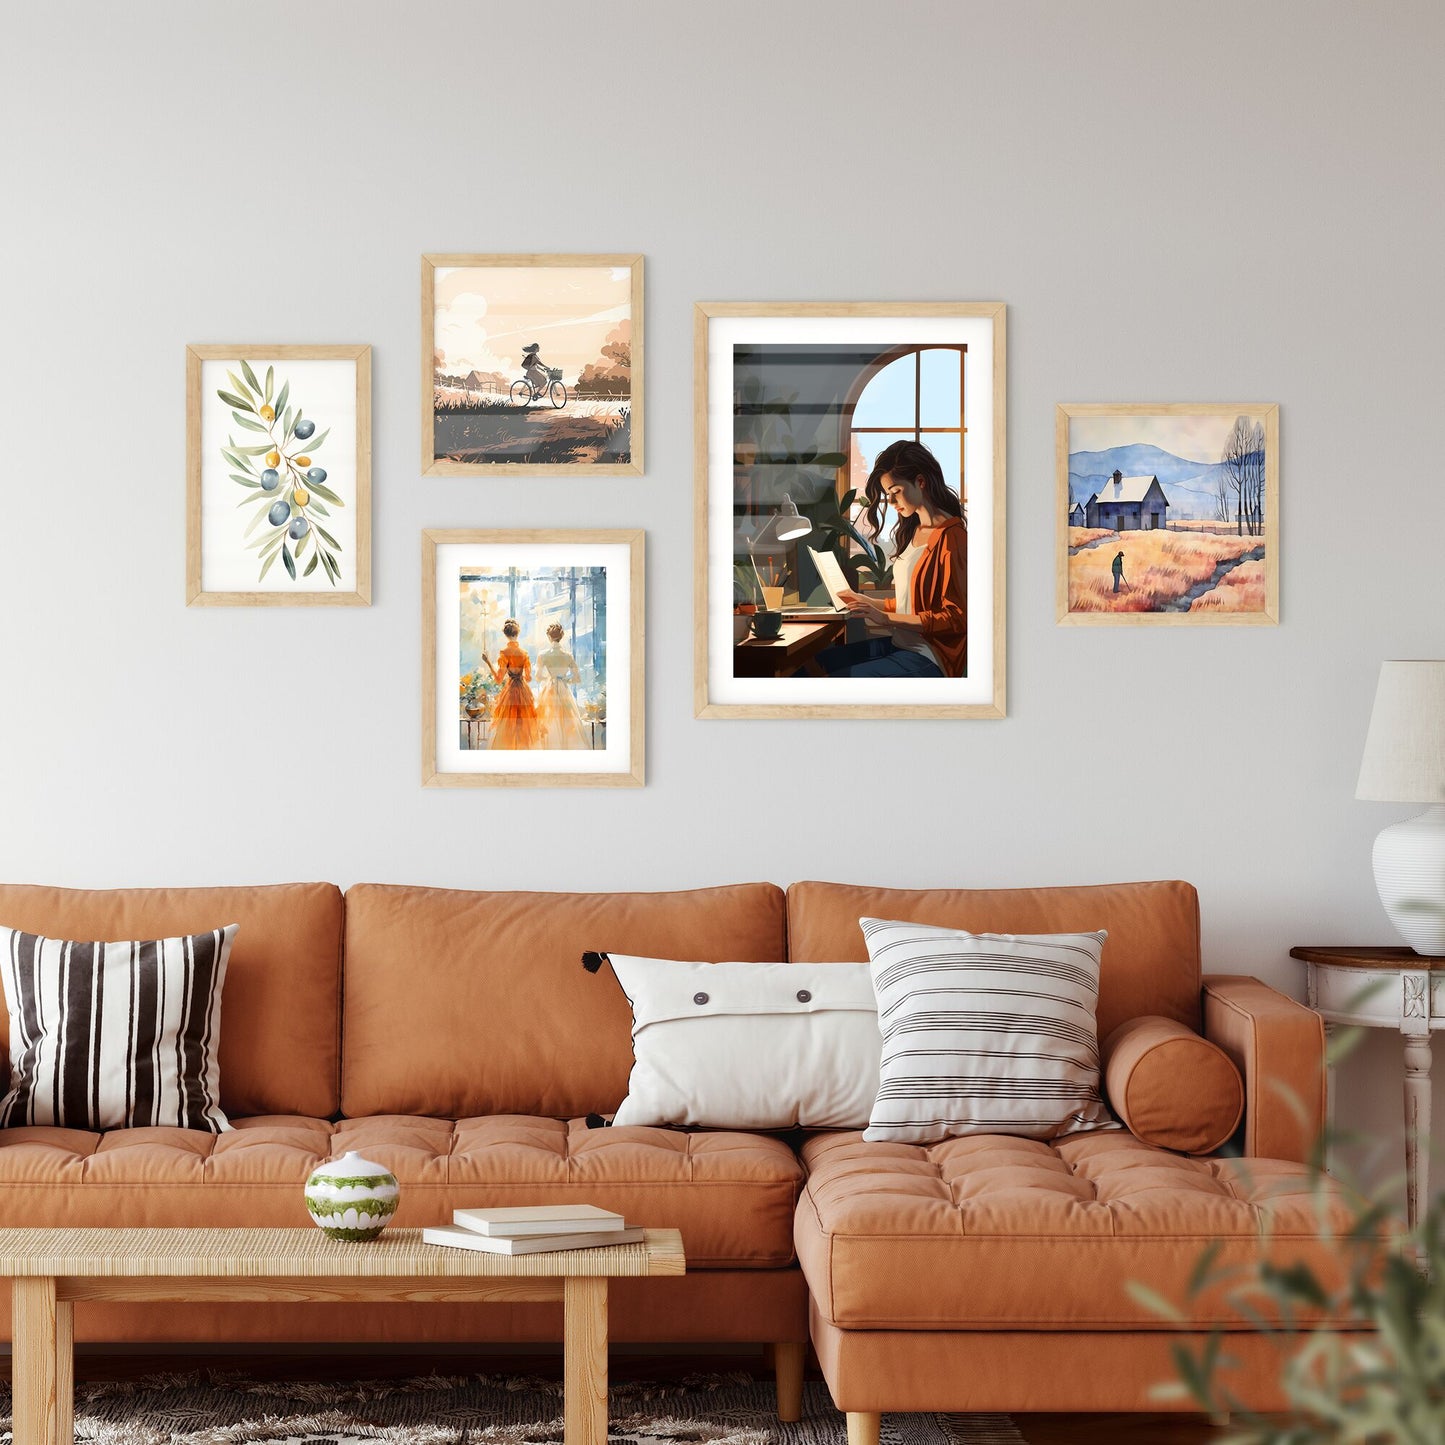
x=278, y=475
x=849, y=495
x=533, y=659
x=849, y=510
x=1168, y=514
x=531, y=363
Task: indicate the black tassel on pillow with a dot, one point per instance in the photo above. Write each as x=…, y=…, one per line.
x=593, y=961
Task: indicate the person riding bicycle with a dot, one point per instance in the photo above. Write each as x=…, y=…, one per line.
x=534, y=369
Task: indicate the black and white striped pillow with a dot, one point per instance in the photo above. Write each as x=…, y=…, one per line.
x=984, y=1033
x=115, y=1035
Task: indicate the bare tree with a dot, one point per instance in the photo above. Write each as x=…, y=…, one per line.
x=1221, y=496
x=1237, y=469
x=1254, y=478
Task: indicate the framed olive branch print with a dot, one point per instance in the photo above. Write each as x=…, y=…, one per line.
x=278, y=475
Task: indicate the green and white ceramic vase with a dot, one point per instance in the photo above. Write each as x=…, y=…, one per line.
x=351, y=1198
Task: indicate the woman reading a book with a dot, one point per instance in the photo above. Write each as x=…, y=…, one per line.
x=922, y=630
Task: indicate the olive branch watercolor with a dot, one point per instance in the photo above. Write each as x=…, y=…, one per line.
x=288, y=492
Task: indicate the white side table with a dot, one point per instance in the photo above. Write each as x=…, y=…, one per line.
x=1387, y=988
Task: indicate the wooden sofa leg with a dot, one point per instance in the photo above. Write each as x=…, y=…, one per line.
x=863, y=1427
x=788, y=1360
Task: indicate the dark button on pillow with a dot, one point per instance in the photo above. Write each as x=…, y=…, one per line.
x=804, y=996
x=699, y=998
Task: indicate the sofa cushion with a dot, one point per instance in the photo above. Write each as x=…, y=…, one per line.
x=112, y=1034
x=464, y=1004
x=731, y=1195
x=1171, y=1087
x=1151, y=961
x=996, y=1232
x=281, y=1019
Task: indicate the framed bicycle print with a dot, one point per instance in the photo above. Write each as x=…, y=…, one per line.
x=532, y=659
x=531, y=363
x=278, y=476
x=849, y=509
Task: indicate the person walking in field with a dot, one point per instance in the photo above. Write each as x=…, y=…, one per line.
x=1119, y=571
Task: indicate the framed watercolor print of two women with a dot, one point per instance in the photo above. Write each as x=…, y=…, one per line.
x=533, y=659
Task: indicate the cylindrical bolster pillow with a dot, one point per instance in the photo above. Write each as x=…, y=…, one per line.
x=1171, y=1087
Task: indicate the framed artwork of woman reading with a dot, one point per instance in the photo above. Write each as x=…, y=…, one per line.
x=850, y=501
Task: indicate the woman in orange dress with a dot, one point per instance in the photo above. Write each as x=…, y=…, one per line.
x=514, y=713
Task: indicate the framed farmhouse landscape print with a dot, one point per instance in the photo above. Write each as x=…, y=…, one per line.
x=531, y=363
x=849, y=509
x=278, y=475
x=1168, y=514
x=532, y=659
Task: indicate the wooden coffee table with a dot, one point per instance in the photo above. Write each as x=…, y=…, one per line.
x=50, y=1269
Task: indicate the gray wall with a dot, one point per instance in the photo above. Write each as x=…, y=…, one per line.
x=1178, y=201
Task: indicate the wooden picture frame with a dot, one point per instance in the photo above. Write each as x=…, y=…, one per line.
x=217, y=477
x=921, y=326
x=590, y=551
x=520, y=430
x=1217, y=570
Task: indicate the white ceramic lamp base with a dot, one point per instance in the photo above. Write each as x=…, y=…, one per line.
x=1410, y=874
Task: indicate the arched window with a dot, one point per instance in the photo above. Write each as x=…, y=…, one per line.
x=912, y=394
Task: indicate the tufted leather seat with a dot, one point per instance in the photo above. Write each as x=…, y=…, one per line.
x=991, y=1232
x=732, y=1195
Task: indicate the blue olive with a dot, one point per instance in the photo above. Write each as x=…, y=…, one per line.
x=298, y=529
x=304, y=428
x=270, y=479
x=316, y=474
x=278, y=513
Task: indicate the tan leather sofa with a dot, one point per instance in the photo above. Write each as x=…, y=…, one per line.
x=454, y=1037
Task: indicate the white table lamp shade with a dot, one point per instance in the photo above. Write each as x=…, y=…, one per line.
x=1404, y=762
x=1404, y=758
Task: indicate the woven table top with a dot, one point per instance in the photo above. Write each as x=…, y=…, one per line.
x=308, y=1254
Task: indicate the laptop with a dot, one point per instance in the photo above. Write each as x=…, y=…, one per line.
x=831, y=575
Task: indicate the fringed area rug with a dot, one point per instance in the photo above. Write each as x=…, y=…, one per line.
x=212, y=1408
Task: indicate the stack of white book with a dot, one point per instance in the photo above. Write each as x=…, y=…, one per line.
x=533, y=1229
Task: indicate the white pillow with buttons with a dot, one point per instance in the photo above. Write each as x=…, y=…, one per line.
x=750, y=1045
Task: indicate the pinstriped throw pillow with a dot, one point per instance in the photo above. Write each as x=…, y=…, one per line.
x=115, y=1035
x=984, y=1033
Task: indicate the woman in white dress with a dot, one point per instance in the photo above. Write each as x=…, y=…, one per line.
x=559, y=719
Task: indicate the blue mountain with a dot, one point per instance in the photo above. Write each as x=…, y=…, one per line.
x=1189, y=485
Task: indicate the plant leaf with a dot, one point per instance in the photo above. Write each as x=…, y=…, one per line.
x=245, y=482
x=313, y=443
x=311, y=565
x=250, y=375
x=289, y=560
x=231, y=399
x=281, y=400
x=327, y=535
x=270, y=377
x=247, y=423
x=267, y=565
x=315, y=506
x=240, y=387
x=234, y=456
